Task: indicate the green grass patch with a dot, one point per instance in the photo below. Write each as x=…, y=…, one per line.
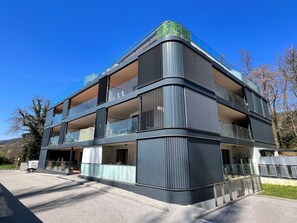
x=289, y=192
x=7, y=166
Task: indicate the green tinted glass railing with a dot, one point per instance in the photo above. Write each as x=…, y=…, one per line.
x=80, y=135
x=234, y=131
x=57, y=118
x=54, y=140
x=120, y=173
x=122, y=89
x=229, y=96
x=123, y=127
x=83, y=107
x=59, y=166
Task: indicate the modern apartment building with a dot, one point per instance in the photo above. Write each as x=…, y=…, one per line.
x=167, y=120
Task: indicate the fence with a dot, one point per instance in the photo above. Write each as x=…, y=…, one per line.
x=278, y=166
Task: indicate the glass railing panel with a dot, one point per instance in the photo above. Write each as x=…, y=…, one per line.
x=229, y=96
x=79, y=136
x=123, y=89
x=60, y=166
x=83, y=107
x=120, y=173
x=240, y=169
x=54, y=140
x=123, y=127
x=57, y=118
x=234, y=131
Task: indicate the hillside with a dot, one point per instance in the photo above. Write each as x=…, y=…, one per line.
x=11, y=149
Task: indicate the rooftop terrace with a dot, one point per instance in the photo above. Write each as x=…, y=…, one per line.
x=167, y=28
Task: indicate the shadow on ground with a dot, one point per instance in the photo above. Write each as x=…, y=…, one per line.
x=60, y=200
x=12, y=210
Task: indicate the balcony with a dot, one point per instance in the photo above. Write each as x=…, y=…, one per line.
x=229, y=96
x=54, y=140
x=240, y=169
x=124, y=127
x=234, y=131
x=80, y=135
x=123, y=89
x=123, y=81
x=83, y=107
x=59, y=166
x=81, y=129
x=57, y=118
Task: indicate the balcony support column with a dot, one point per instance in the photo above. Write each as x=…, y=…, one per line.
x=70, y=161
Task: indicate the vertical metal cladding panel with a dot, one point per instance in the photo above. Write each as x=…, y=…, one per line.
x=249, y=98
x=46, y=135
x=151, y=165
x=172, y=59
x=42, y=158
x=163, y=162
x=177, y=160
x=197, y=69
x=152, y=110
x=257, y=104
x=262, y=131
x=65, y=108
x=100, y=123
x=201, y=111
x=49, y=117
x=150, y=66
x=102, y=90
x=62, y=132
x=265, y=108
x=174, y=106
x=205, y=162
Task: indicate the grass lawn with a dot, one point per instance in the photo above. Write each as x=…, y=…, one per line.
x=289, y=192
x=7, y=166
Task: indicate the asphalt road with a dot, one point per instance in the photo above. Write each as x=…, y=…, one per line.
x=69, y=199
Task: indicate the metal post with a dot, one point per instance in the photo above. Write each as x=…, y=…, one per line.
x=215, y=195
x=70, y=160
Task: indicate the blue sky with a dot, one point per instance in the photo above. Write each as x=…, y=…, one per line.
x=47, y=46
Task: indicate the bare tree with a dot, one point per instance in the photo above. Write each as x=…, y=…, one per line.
x=245, y=61
x=269, y=81
x=30, y=123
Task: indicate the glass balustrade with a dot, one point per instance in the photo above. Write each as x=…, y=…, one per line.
x=123, y=127
x=79, y=136
x=229, y=96
x=60, y=166
x=120, y=173
x=122, y=89
x=234, y=131
x=54, y=140
x=57, y=118
x=240, y=169
x=83, y=107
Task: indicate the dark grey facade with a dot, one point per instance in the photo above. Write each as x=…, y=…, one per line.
x=165, y=124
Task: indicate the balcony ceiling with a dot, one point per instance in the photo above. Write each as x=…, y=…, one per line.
x=124, y=74
x=86, y=95
x=228, y=115
x=85, y=122
x=124, y=110
x=226, y=82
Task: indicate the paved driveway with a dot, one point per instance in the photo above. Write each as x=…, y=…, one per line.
x=69, y=199
x=256, y=208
